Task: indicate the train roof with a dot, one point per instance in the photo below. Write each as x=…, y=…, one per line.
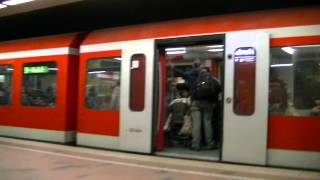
x=211, y=24
x=65, y=40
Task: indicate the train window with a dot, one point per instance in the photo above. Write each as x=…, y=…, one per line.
x=137, y=82
x=244, y=85
x=295, y=81
x=5, y=84
x=39, y=84
x=103, y=83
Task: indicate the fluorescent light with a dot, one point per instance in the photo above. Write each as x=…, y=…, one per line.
x=176, y=49
x=119, y=59
x=15, y=2
x=288, y=50
x=175, y=52
x=215, y=50
x=281, y=65
x=216, y=46
x=53, y=69
x=96, y=72
x=2, y=6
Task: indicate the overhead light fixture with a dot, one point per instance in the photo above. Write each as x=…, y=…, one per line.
x=216, y=46
x=176, y=52
x=15, y=2
x=96, y=72
x=288, y=50
x=281, y=65
x=176, y=49
x=216, y=50
x=118, y=58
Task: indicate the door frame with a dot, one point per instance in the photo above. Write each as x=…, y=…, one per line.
x=160, y=115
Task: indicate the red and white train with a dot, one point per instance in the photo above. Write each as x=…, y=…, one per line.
x=109, y=88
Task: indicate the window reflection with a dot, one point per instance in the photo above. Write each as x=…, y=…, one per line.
x=295, y=81
x=137, y=82
x=39, y=84
x=5, y=84
x=244, y=81
x=103, y=84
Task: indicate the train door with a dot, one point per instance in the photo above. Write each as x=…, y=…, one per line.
x=116, y=95
x=181, y=61
x=246, y=97
x=137, y=96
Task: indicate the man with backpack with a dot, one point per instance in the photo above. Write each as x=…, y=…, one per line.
x=204, y=98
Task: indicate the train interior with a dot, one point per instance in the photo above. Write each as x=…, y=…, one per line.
x=181, y=60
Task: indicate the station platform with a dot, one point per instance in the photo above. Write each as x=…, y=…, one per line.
x=23, y=159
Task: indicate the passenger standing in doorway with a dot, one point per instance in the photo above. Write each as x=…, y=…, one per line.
x=204, y=98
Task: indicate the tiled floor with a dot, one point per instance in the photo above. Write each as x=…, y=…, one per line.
x=20, y=159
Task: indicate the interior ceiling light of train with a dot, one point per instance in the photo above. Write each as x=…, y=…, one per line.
x=7, y=3
x=189, y=53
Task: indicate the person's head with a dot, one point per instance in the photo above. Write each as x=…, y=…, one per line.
x=203, y=74
x=197, y=63
x=184, y=93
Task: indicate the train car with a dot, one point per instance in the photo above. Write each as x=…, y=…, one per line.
x=38, y=79
x=133, y=81
x=264, y=120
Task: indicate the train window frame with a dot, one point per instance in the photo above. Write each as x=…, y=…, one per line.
x=236, y=95
x=137, y=102
x=111, y=107
x=10, y=101
x=287, y=66
x=39, y=71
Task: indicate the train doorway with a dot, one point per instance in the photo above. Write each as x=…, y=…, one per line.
x=190, y=118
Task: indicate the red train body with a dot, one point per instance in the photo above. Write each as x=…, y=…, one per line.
x=133, y=59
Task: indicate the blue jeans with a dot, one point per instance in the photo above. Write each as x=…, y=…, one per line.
x=201, y=112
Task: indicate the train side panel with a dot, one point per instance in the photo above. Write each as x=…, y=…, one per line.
x=283, y=26
x=40, y=66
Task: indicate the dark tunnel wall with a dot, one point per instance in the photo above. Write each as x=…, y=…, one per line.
x=95, y=14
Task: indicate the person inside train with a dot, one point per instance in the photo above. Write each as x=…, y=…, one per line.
x=277, y=94
x=49, y=96
x=92, y=97
x=179, y=109
x=115, y=97
x=4, y=94
x=204, y=91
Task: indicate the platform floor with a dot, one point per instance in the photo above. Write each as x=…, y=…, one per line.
x=29, y=160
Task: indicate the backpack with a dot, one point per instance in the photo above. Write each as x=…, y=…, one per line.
x=207, y=88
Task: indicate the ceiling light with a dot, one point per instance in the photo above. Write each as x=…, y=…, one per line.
x=281, y=65
x=216, y=46
x=96, y=72
x=176, y=49
x=175, y=52
x=215, y=50
x=288, y=50
x=15, y=2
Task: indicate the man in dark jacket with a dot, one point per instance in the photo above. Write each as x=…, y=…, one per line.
x=202, y=105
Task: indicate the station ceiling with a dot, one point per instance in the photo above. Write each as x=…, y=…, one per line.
x=46, y=17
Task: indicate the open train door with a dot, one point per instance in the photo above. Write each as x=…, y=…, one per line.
x=136, y=102
x=246, y=97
